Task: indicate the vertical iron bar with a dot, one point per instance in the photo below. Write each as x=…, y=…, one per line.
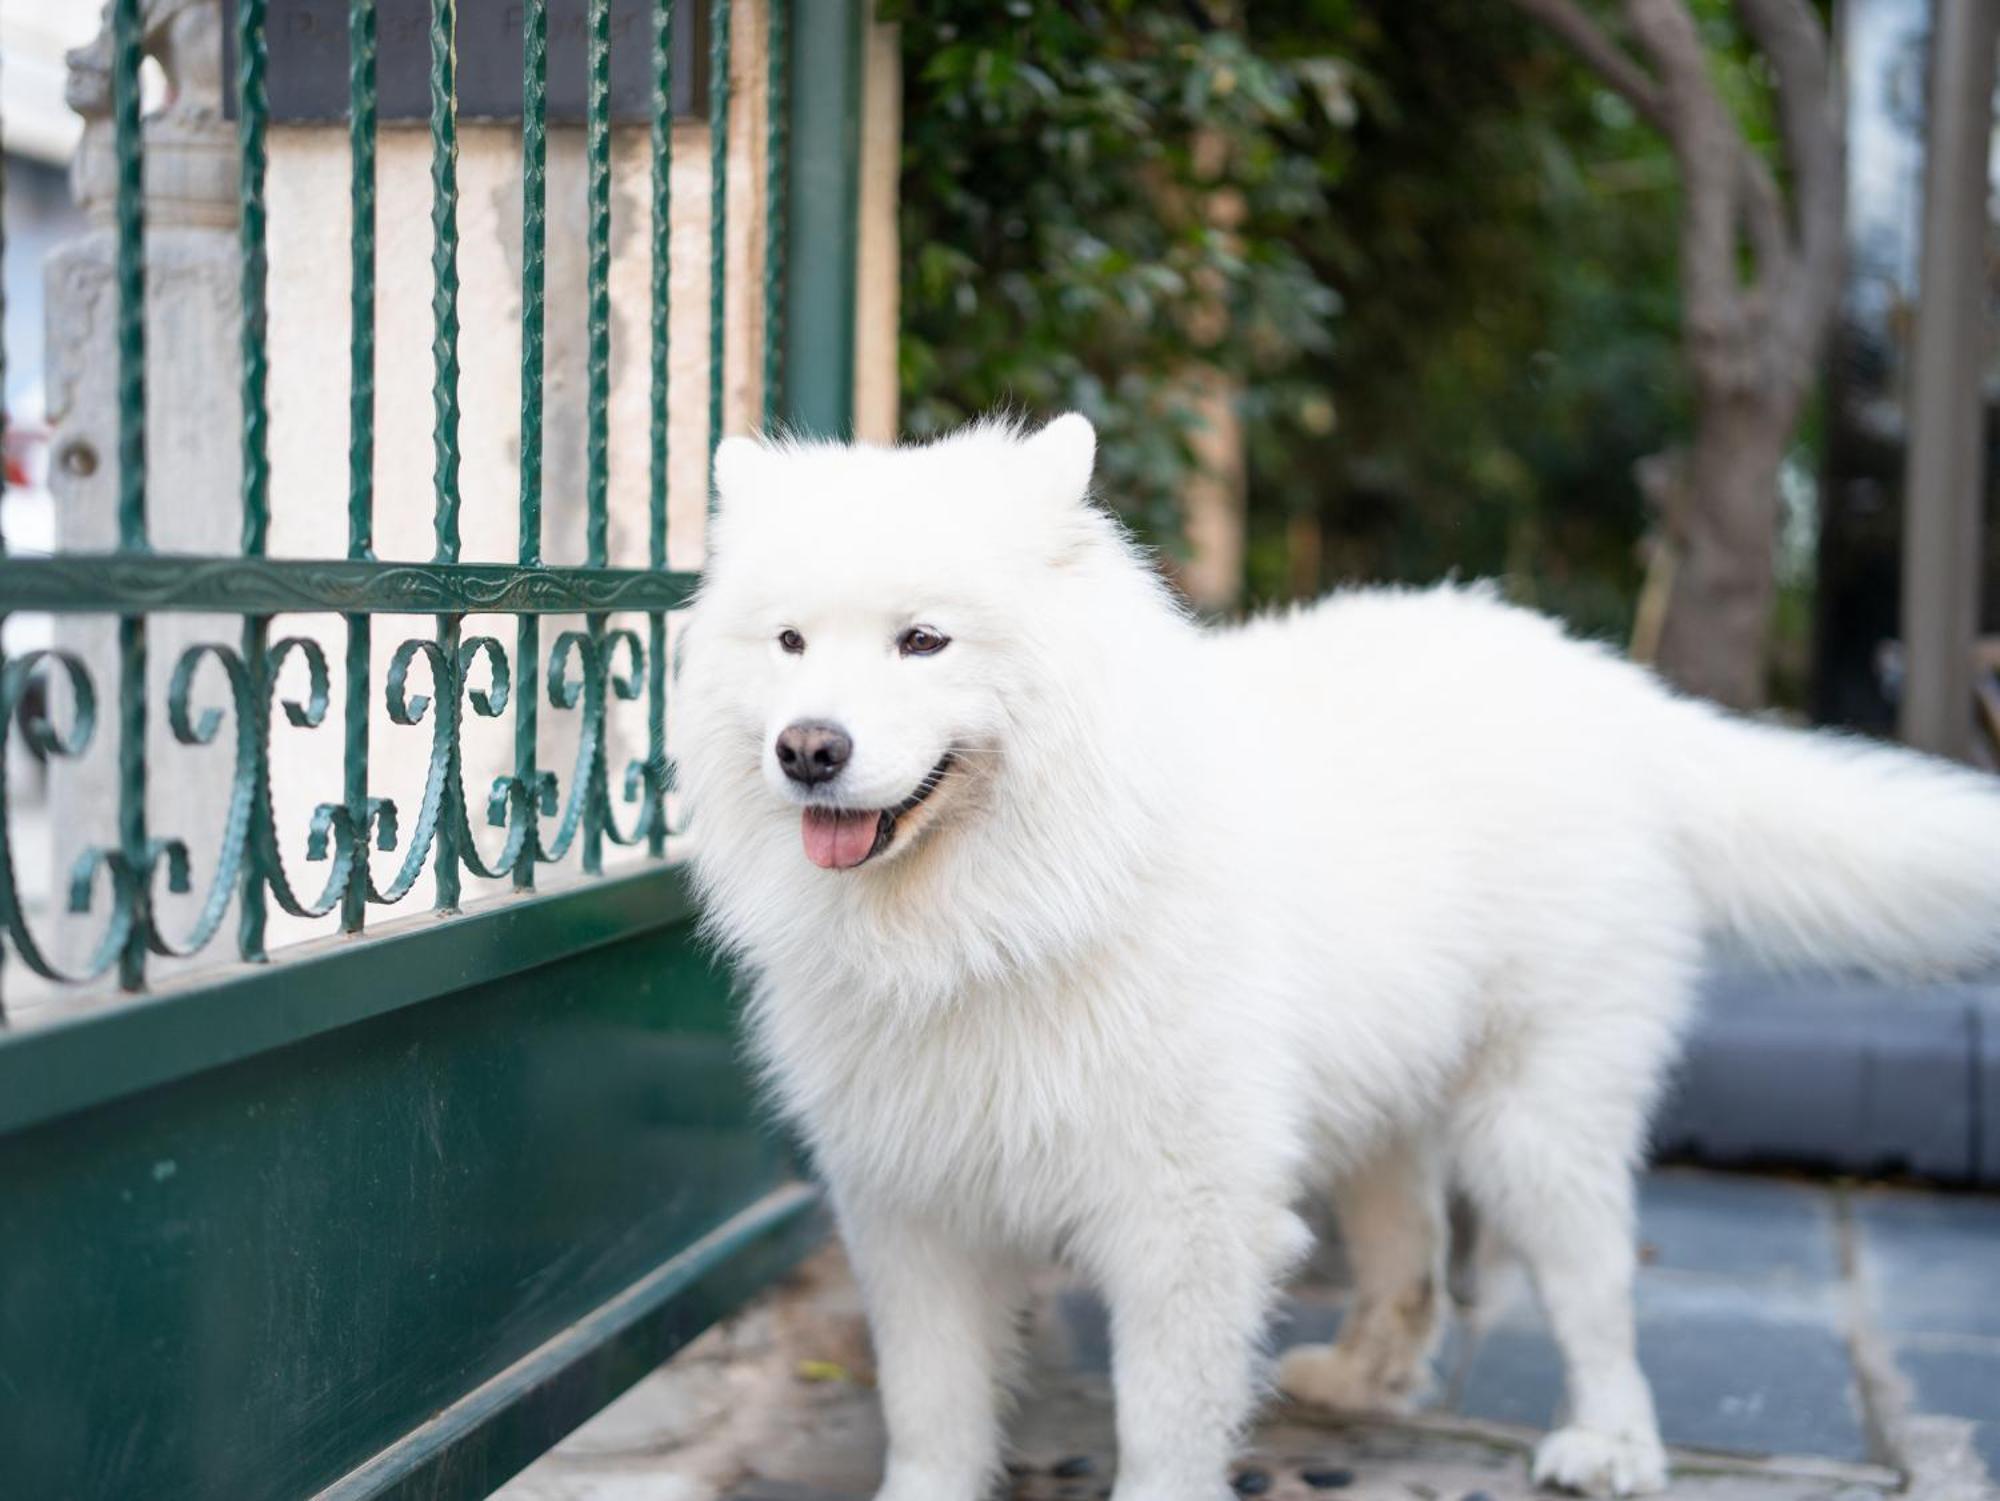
x=360, y=437
x=444, y=275
x=131, y=275
x=252, y=113
x=718, y=208
x=598, y=396
x=3, y=535
x=534, y=245
x=663, y=159
x=444, y=353
x=126, y=47
x=656, y=511
x=776, y=106
x=3, y=400
x=251, y=116
x=822, y=216
x=598, y=231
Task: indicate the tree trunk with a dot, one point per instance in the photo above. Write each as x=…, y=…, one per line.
x=1718, y=622
x=1752, y=341
x=1305, y=555
x=1215, y=498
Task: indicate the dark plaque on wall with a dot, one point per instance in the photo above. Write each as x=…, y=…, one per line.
x=307, y=45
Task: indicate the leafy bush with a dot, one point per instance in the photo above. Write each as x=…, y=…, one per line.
x=1438, y=257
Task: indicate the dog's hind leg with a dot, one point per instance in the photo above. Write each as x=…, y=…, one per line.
x=1393, y=1227
x=943, y=1315
x=1546, y=1148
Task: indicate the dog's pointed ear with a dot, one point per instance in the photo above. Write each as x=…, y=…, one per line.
x=740, y=464
x=1062, y=454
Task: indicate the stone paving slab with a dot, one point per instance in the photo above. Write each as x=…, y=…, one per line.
x=1062, y=1454
x=1931, y=1262
x=1805, y=1340
x=1758, y=1230
x=1960, y=1378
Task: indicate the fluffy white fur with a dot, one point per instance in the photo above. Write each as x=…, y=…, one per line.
x=1399, y=890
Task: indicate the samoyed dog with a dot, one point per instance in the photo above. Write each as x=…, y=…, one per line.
x=1076, y=930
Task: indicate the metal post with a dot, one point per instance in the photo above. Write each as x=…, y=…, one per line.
x=823, y=226
x=1944, y=479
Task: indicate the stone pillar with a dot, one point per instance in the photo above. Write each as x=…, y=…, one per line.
x=192, y=422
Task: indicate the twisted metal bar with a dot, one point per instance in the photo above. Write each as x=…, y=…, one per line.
x=444, y=274
x=3, y=527
x=662, y=266
x=534, y=248
x=252, y=116
x=361, y=50
x=777, y=129
x=597, y=450
x=656, y=512
x=718, y=209
x=597, y=133
x=444, y=348
x=3, y=385
x=361, y=130
x=128, y=146
x=252, y=111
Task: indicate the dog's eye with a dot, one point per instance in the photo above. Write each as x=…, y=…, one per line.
x=922, y=641
x=791, y=641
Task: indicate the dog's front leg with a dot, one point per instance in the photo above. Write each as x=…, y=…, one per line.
x=944, y=1319
x=1188, y=1283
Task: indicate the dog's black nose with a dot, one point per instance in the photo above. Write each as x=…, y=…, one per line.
x=813, y=751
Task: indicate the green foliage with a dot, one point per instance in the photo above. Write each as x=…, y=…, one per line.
x=1504, y=242
x=1448, y=269
x=1062, y=244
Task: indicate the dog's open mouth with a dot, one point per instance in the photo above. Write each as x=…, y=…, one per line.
x=842, y=838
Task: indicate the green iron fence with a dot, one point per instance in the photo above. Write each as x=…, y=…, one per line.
x=544, y=822
x=390, y=1217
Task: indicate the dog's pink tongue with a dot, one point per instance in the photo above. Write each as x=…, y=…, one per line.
x=836, y=840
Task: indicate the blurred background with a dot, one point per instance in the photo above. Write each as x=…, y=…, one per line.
x=1675, y=316
x=1376, y=291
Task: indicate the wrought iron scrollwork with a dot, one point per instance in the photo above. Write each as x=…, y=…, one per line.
x=34, y=716
x=585, y=671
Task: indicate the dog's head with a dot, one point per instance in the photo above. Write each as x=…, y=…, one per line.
x=866, y=622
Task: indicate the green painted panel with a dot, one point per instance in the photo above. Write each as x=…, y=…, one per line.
x=248, y=1281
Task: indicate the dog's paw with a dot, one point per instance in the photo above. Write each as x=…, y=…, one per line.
x=1601, y=1464
x=1332, y=1376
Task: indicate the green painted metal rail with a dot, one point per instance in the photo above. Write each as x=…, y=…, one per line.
x=586, y=672
x=388, y=1213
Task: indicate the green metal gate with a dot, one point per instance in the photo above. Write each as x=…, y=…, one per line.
x=390, y=1215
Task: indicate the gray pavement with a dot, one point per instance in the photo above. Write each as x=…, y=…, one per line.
x=1805, y=1340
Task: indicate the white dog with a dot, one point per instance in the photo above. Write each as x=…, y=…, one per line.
x=1077, y=930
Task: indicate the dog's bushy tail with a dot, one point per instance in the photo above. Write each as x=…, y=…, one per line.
x=1814, y=850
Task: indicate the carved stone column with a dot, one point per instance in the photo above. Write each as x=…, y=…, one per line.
x=192, y=411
